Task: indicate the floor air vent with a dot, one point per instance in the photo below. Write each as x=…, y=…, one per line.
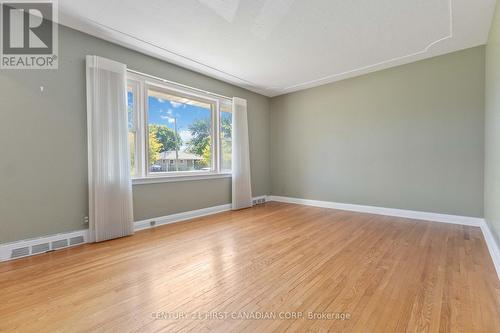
x=76, y=240
x=20, y=252
x=40, y=245
x=259, y=201
x=40, y=248
x=59, y=244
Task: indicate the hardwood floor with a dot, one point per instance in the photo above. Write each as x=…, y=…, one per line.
x=380, y=274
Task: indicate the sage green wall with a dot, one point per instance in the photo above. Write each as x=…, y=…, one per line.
x=43, y=165
x=409, y=137
x=492, y=135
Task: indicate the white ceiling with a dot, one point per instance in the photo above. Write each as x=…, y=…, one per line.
x=279, y=46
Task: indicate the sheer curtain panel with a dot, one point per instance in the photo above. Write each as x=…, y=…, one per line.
x=110, y=187
x=241, y=184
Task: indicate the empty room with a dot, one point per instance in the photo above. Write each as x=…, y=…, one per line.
x=250, y=166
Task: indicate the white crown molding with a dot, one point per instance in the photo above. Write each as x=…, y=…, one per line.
x=110, y=34
x=373, y=67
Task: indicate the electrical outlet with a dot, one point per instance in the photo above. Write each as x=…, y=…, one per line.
x=85, y=220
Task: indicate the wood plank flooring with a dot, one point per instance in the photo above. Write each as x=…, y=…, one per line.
x=265, y=269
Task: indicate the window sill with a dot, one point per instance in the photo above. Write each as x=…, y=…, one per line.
x=179, y=178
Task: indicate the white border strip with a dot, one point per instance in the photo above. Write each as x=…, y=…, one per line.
x=494, y=249
x=411, y=214
x=172, y=179
x=6, y=248
x=492, y=246
x=173, y=218
x=108, y=33
x=329, y=78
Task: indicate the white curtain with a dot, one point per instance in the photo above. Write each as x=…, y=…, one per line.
x=110, y=187
x=242, y=188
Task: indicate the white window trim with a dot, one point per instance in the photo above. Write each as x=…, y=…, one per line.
x=179, y=178
x=139, y=84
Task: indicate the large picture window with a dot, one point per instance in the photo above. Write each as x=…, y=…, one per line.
x=175, y=131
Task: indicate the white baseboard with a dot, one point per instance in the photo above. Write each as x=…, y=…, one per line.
x=173, y=218
x=411, y=214
x=25, y=247
x=32, y=246
x=492, y=246
x=7, y=248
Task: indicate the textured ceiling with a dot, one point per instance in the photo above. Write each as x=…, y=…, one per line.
x=279, y=46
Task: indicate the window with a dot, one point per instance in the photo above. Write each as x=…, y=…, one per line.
x=226, y=125
x=176, y=131
x=132, y=127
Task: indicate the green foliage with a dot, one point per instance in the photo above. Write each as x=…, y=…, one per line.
x=226, y=149
x=200, y=144
x=226, y=127
x=166, y=137
x=207, y=153
x=131, y=143
x=155, y=147
x=200, y=141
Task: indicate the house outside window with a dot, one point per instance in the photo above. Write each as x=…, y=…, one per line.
x=175, y=131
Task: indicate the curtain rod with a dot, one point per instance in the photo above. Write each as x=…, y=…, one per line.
x=178, y=84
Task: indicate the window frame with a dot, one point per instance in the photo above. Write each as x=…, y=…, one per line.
x=134, y=87
x=220, y=138
x=141, y=84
